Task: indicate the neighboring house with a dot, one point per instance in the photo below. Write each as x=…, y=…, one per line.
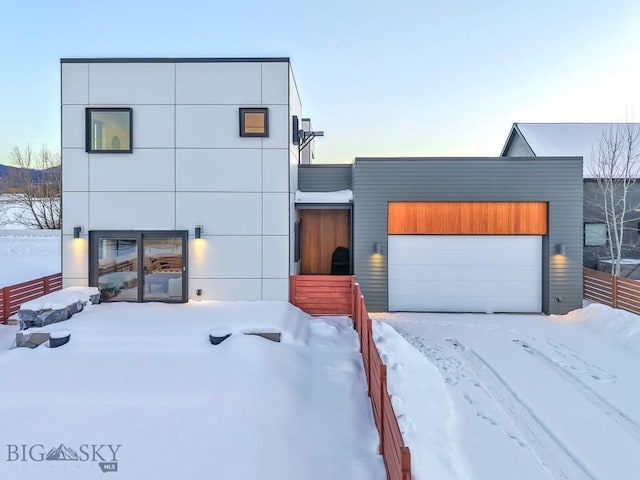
x=580, y=139
x=192, y=179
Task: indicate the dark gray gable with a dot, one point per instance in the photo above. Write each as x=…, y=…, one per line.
x=517, y=145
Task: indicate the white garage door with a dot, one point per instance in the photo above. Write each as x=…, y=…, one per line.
x=465, y=273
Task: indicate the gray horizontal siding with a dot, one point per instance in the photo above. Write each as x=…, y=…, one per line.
x=594, y=213
x=324, y=178
x=558, y=181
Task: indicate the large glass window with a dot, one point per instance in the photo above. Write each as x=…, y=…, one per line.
x=138, y=266
x=108, y=130
x=117, y=269
x=595, y=234
x=162, y=268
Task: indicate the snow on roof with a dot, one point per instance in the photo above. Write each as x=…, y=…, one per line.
x=565, y=139
x=340, y=196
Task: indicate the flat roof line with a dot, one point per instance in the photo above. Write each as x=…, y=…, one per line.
x=177, y=60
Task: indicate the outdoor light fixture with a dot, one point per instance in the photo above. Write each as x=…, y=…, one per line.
x=561, y=249
x=377, y=248
x=76, y=231
x=198, y=231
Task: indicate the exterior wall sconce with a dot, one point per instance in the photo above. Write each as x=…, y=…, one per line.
x=198, y=231
x=561, y=249
x=77, y=231
x=377, y=248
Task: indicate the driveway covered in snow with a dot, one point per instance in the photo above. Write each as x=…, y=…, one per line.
x=517, y=396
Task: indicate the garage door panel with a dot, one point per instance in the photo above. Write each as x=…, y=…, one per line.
x=465, y=273
x=484, y=251
x=463, y=287
x=458, y=273
x=462, y=258
x=468, y=304
x=461, y=242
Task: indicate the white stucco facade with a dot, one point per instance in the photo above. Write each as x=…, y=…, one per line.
x=188, y=166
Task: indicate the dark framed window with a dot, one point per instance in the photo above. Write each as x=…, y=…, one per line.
x=595, y=234
x=139, y=266
x=254, y=122
x=108, y=130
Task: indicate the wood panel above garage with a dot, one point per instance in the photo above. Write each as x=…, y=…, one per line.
x=467, y=218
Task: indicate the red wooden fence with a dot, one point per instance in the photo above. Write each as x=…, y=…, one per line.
x=322, y=294
x=617, y=292
x=397, y=457
x=15, y=295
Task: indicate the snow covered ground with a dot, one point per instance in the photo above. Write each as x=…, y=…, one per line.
x=28, y=254
x=516, y=396
x=143, y=381
x=10, y=213
x=478, y=396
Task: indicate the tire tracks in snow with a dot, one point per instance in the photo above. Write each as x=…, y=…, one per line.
x=614, y=413
x=555, y=457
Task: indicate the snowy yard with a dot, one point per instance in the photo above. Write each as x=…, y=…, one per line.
x=144, y=381
x=516, y=396
x=28, y=254
x=478, y=397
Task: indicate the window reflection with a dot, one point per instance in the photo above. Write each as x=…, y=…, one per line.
x=109, y=130
x=162, y=268
x=118, y=269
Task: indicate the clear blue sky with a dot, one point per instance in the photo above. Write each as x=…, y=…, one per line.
x=419, y=78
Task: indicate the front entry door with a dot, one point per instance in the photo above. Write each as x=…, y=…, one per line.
x=139, y=266
x=322, y=232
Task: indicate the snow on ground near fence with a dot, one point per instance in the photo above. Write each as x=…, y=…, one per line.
x=524, y=396
x=7, y=336
x=618, y=325
x=144, y=376
x=10, y=212
x=28, y=254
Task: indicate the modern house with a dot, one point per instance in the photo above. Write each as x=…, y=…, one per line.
x=178, y=177
x=451, y=234
x=193, y=179
x=583, y=140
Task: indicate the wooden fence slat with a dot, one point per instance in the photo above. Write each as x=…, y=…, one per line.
x=617, y=292
x=5, y=304
x=340, y=295
x=13, y=296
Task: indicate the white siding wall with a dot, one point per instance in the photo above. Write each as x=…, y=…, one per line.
x=295, y=108
x=189, y=167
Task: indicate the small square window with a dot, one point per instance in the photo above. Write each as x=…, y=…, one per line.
x=108, y=130
x=595, y=234
x=254, y=122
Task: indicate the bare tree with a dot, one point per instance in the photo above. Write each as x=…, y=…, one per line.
x=36, y=187
x=615, y=165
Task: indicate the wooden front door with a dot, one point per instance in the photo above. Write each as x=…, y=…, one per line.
x=322, y=231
